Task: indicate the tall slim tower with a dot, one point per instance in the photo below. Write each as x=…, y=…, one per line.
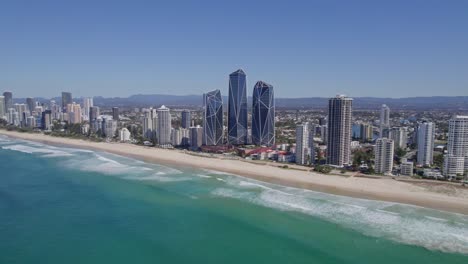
x=426, y=133
x=456, y=159
x=115, y=113
x=186, y=118
x=237, y=108
x=213, y=119
x=339, y=130
x=164, y=126
x=87, y=104
x=66, y=100
x=263, y=115
x=384, y=155
x=8, y=100
x=2, y=107
x=31, y=104
x=302, y=144
x=384, y=121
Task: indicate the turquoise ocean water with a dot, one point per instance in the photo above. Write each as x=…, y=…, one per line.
x=64, y=205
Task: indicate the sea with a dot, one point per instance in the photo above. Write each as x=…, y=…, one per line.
x=69, y=205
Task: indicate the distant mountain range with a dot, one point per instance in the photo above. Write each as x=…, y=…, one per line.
x=192, y=101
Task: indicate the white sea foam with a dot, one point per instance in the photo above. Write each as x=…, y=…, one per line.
x=402, y=223
x=159, y=178
x=203, y=176
x=45, y=151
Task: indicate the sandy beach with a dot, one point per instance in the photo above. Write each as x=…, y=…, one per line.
x=385, y=189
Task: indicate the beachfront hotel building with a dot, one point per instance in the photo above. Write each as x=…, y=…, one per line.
x=456, y=159
x=164, y=126
x=426, y=134
x=263, y=115
x=213, y=118
x=383, y=151
x=339, y=130
x=237, y=108
x=196, y=137
x=115, y=113
x=384, y=121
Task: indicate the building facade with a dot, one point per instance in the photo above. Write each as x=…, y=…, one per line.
x=66, y=100
x=237, y=108
x=384, y=151
x=456, y=159
x=164, y=126
x=426, y=134
x=384, y=121
x=213, y=119
x=263, y=115
x=339, y=130
x=186, y=119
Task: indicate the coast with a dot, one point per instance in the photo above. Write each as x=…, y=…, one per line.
x=385, y=189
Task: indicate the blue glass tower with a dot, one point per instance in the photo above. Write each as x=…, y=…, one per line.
x=213, y=119
x=263, y=115
x=237, y=108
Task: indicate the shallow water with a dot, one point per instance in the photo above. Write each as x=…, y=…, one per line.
x=78, y=206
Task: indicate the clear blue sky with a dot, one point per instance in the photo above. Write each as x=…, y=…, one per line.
x=303, y=48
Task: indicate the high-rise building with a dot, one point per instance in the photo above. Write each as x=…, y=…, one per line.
x=8, y=100
x=456, y=159
x=366, y=132
x=426, y=134
x=148, y=125
x=21, y=109
x=66, y=100
x=263, y=115
x=164, y=126
x=109, y=127
x=196, y=137
x=384, y=121
x=213, y=118
x=302, y=144
x=2, y=107
x=186, y=119
x=399, y=135
x=31, y=104
x=93, y=112
x=46, y=120
x=237, y=108
x=383, y=155
x=115, y=113
x=87, y=104
x=339, y=130
x=74, y=113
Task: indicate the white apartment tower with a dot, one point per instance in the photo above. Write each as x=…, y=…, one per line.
x=383, y=156
x=456, y=159
x=426, y=133
x=384, y=120
x=339, y=130
x=164, y=126
x=302, y=144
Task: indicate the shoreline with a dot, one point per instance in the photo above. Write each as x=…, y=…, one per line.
x=383, y=189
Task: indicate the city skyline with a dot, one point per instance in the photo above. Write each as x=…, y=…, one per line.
x=396, y=49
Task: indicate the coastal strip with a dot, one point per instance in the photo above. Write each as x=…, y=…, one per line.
x=384, y=189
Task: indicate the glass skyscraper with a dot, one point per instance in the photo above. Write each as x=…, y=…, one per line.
x=237, y=108
x=213, y=118
x=66, y=100
x=263, y=115
x=8, y=100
